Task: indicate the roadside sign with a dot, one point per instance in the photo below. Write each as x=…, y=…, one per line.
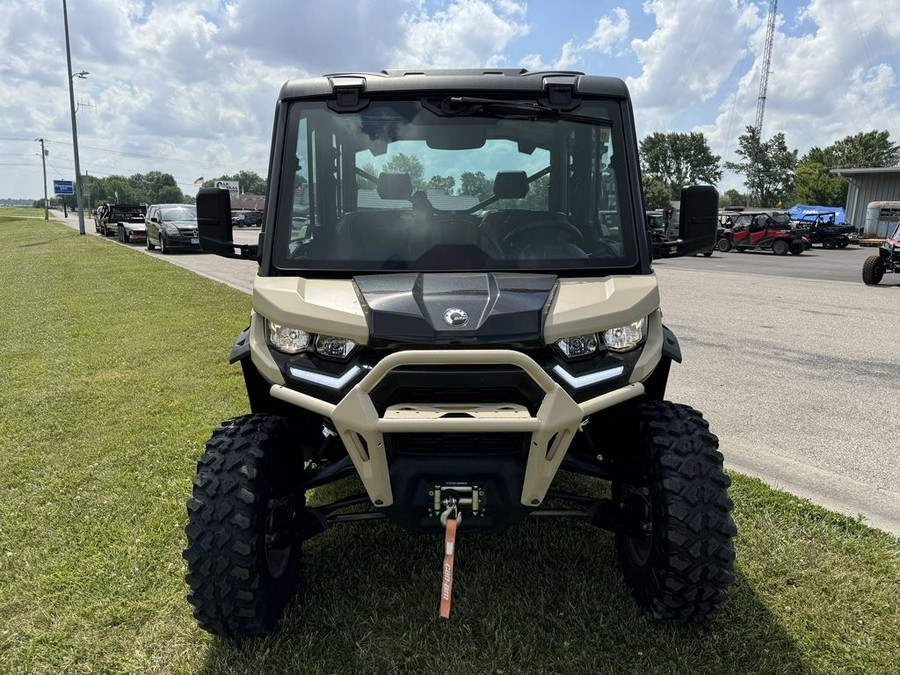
x=233, y=187
x=63, y=187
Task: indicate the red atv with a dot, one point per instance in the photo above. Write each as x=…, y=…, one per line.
x=765, y=231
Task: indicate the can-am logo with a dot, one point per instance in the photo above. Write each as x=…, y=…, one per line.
x=455, y=317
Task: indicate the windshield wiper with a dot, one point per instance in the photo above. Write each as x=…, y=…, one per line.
x=474, y=105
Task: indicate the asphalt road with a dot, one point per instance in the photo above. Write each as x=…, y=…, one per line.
x=794, y=361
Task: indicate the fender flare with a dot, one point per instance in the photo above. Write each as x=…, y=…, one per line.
x=241, y=348
x=671, y=348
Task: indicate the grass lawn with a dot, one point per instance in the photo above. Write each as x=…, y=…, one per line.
x=114, y=371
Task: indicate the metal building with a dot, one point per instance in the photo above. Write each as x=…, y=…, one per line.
x=865, y=186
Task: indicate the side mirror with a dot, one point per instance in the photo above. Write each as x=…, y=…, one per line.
x=699, y=218
x=214, y=225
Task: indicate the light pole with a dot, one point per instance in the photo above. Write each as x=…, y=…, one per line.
x=72, y=77
x=44, y=165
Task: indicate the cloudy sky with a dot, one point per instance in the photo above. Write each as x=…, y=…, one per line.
x=188, y=86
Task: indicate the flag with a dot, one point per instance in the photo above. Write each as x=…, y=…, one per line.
x=199, y=181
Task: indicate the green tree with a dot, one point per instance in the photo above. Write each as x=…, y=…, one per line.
x=445, y=183
x=679, y=160
x=657, y=193
x=866, y=149
x=156, y=187
x=732, y=197
x=475, y=184
x=768, y=167
x=814, y=183
x=402, y=163
x=112, y=189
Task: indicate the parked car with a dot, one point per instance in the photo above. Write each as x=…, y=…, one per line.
x=246, y=218
x=172, y=226
x=253, y=218
x=108, y=218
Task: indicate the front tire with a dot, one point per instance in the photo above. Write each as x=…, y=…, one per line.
x=797, y=249
x=163, y=246
x=873, y=270
x=150, y=244
x=724, y=245
x=678, y=559
x=243, y=532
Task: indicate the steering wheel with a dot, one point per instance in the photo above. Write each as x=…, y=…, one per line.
x=573, y=232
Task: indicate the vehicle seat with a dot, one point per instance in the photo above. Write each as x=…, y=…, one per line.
x=382, y=235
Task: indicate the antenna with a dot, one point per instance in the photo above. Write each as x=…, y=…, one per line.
x=763, y=86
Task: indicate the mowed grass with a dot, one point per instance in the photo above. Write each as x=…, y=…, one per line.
x=114, y=371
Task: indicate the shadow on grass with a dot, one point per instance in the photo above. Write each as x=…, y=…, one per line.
x=546, y=597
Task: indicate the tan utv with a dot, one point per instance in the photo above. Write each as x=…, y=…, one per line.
x=455, y=303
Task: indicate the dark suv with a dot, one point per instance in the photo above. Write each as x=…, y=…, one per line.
x=172, y=226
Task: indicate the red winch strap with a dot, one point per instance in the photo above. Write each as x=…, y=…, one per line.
x=447, y=578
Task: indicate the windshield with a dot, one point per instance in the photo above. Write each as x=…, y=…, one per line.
x=411, y=185
x=178, y=213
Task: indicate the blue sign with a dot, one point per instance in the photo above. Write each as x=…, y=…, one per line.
x=63, y=187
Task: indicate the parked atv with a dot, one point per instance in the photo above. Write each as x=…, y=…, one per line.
x=822, y=229
x=456, y=352
x=887, y=260
x=764, y=231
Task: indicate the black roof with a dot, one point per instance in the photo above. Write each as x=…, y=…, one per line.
x=481, y=80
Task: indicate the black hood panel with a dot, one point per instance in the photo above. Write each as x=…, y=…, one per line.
x=463, y=308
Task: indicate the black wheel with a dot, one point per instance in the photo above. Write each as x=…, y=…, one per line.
x=243, y=531
x=873, y=270
x=843, y=243
x=724, y=244
x=163, y=246
x=126, y=238
x=707, y=253
x=678, y=558
x=829, y=242
x=780, y=247
x=150, y=244
x=797, y=249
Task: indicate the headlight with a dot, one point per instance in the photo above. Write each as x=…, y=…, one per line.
x=578, y=345
x=624, y=338
x=169, y=228
x=286, y=339
x=334, y=347
x=291, y=340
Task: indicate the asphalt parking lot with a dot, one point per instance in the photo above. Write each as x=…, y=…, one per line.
x=794, y=361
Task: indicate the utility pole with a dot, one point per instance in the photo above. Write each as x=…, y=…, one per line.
x=74, y=123
x=44, y=165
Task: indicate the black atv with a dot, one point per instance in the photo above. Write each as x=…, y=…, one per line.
x=823, y=230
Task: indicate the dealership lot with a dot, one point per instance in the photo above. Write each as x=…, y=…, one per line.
x=793, y=359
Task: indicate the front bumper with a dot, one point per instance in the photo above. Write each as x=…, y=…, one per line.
x=551, y=427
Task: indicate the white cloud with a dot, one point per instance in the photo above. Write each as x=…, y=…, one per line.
x=610, y=33
x=468, y=33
